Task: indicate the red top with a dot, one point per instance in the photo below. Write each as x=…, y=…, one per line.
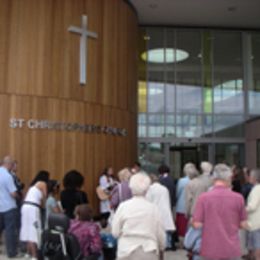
x=221, y=211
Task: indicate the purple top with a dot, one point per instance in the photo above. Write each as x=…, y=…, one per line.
x=221, y=211
x=88, y=236
x=120, y=193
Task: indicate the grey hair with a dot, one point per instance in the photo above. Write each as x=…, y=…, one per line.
x=255, y=173
x=190, y=170
x=7, y=160
x=124, y=174
x=206, y=167
x=139, y=183
x=222, y=172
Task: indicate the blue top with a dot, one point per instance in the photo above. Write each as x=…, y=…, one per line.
x=180, y=194
x=192, y=240
x=7, y=186
x=50, y=204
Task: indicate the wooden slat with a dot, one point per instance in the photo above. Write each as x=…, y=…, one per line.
x=39, y=66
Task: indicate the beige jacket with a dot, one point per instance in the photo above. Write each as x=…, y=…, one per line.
x=193, y=189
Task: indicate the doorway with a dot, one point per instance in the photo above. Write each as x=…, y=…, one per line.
x=180, y=155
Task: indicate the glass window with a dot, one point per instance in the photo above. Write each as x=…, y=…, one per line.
x=170, y=98
x=188, y=72
x=206, y=60
x=142, y=125
x=151, y=156
x=156, y=125
x=191, y=86
x=207, y=125
x=228, y=73
x=254, y=94
x=170, y=125
x=189, y=125
x=230, y=154
x=155, y=97
x=229, y=125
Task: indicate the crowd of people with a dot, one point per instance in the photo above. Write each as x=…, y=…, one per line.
x=212, y=212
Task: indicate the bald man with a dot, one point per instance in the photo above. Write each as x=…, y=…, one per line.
x=8, y=209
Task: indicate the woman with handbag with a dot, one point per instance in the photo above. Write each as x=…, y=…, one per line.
x=106, y=184
x=121, y=191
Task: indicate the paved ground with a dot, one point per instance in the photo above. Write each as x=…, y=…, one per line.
x=169, y=255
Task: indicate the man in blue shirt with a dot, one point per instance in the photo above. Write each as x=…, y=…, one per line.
x=8, y=208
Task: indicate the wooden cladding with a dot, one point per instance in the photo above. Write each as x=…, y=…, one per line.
x=40, y=57
x=39, y=78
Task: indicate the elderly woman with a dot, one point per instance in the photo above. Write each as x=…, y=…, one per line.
x=181, y=219
x=106, y=183
x=86, y=231
x=137, y=224
x=121, y=191
x=190, y=189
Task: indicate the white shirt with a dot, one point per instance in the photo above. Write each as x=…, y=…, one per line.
x=136, y=223
x=105, y=182
x=253, y=208
x=159, y=195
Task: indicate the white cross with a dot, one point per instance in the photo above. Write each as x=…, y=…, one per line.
x=83, y=47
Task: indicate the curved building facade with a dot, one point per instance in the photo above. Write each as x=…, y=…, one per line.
x=48, y=119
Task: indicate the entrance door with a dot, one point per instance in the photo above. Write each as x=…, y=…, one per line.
x=180, y=155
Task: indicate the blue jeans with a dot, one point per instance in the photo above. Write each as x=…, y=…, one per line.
x=8, y=222
x=169, y=239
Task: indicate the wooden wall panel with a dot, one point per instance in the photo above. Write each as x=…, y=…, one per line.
x=60, y=151
x=39, y=79
x=41, y=57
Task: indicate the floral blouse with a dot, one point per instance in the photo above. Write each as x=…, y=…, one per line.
x=88, y=236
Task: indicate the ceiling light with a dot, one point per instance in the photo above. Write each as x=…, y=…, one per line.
x=168, y=55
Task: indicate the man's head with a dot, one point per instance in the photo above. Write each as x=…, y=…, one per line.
x=8, y=162
x=206, y=167
x=136, y=167
x=190, y=170
x=163, y=169
x=254, y=176
x=222, y=173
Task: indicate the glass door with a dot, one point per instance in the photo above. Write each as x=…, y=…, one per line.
x=180, y=155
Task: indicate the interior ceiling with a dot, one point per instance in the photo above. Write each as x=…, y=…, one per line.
x=199, y=13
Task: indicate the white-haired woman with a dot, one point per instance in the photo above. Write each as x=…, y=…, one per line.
x=121, y=192
x=181, y=219
x=137, y=224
